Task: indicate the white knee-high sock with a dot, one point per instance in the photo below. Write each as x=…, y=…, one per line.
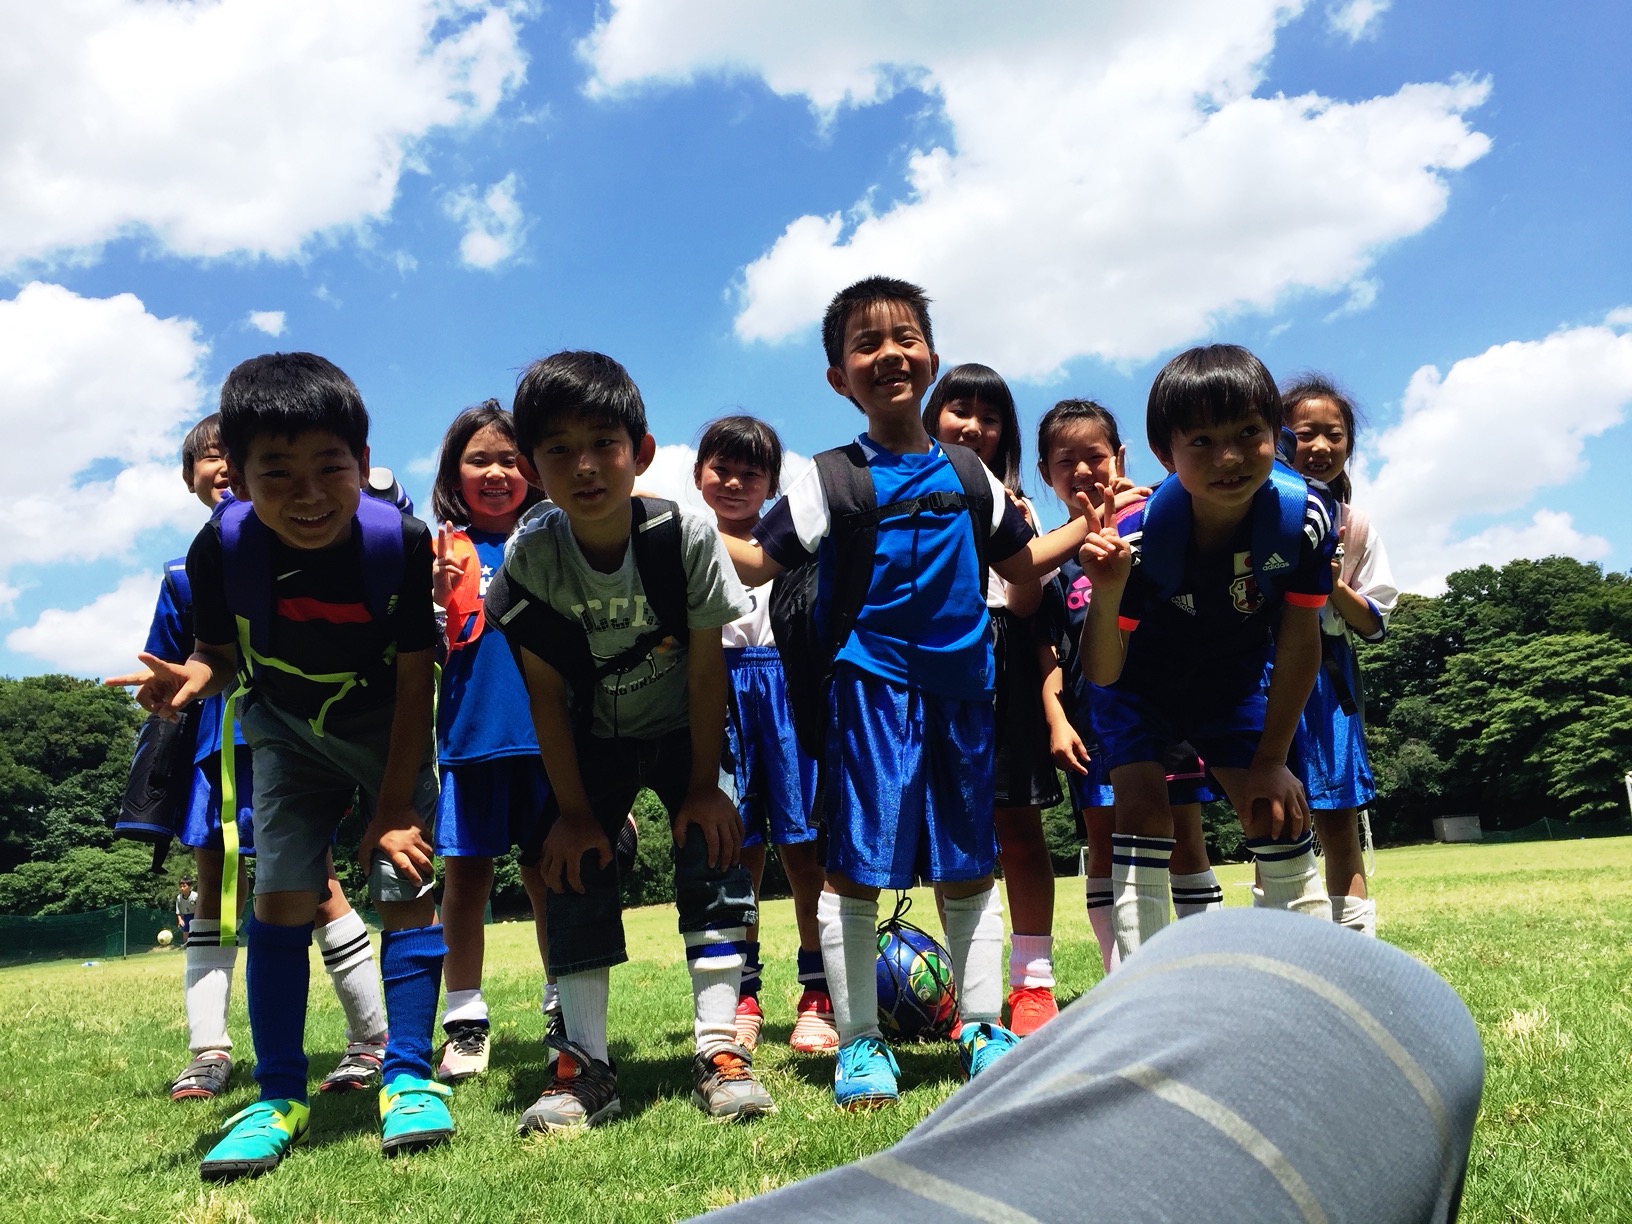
x=1196, y=893
x=207, y=984
x=1102, y=917
x=349, y=958
x=1031, y=960
x=1356, y=913
x=974, y=936
x=715, y=960
x=849, y=931
x=584, y=998
x=1290, y=877
x=1139, y=878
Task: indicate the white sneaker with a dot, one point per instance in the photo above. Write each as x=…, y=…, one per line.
x=465, y=1053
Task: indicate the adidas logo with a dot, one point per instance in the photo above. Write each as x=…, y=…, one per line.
x=1276, y=562
x=1185, y=603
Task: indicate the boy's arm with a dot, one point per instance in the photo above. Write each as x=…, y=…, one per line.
x=575, y=832
x=705, y=804
x=753, y=564
x=1269, y=781
x=396, y=829
x=166, y=688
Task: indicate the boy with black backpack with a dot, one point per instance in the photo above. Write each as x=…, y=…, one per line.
x=613, y=605
x=895, y=673
x=319, y=599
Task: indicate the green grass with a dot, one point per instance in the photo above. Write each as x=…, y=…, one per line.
x=1534, y=937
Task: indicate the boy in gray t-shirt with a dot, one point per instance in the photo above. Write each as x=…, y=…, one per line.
x=634, y=699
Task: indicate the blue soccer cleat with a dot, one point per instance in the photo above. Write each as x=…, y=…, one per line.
x=414, y=1114
x=256, y=1141
x=865, y=1075
x=980, y=1045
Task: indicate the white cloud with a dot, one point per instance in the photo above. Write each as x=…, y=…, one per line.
x=495, y=226
x=1356, y=19
x=94, y=396
x=1362, y=296
x=1484, y=440
x=237, y=127
x=1109, y=184
x=268, y=321
x=100, y=639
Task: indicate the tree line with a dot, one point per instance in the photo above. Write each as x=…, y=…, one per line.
x=1509, y=697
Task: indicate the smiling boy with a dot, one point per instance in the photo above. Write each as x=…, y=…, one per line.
x=907, y=786
x=321, y=599
x=613, y=605
x=1186, y=660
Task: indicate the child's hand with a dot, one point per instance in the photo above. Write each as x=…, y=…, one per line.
x=404, y=844
x=164, y=688
x=718, y=820
x=446, y=571
x=1276, y=804
x=1068, y=750
x=569, y=839
x=1104, y=556
x=1124, y=492
x=1020, y=505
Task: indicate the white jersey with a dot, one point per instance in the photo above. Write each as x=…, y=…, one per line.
x=754, y=629
x=1365, y=570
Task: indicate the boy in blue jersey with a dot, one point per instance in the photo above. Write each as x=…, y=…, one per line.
x=338, y=696
x=633, y=706
x=1188, y=664
x=907, y=775
x=208, y=967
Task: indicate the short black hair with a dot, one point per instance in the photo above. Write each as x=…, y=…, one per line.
x=203, y=437
x=285, y=394
x=1210, y=385
x=1311, y=385
x=447, y=492
x=865, y=293
x=742, y=439
x=981, y=385
x=1069, y=412
x=575, y=383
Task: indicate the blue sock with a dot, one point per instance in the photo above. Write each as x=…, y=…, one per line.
x=411, y=970
x=277, y=975
x=751, y=969
x=812, y=975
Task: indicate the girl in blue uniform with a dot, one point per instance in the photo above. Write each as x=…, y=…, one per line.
x=493, y=783
x=1331, y=738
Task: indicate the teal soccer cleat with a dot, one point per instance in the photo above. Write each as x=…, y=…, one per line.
x=865, y=1075
x=256, y=1141
x=414, y=1114
x=980, y=1045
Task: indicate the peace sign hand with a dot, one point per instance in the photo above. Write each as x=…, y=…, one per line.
x=447, y=571
x=1105, y=556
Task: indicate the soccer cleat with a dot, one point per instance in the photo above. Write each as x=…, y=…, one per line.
x=813, y=1030
x=203, y=1078
x=583, y=1092
x=465, y=1052
x=414, y=1115
x=358, y=1068
x=726, y=1088
x=1030, y=1007
x=980, y=1045
x=865, y=1075
x=749, y=1021
x=256, y=1140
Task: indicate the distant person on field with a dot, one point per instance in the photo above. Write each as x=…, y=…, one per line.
x=186, y=906
x=1331, y=735
x=614, y=605
x=341, y=936
x=323, y=598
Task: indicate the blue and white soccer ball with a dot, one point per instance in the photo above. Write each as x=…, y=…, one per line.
x=917, y=997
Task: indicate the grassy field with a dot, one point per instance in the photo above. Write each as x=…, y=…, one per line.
x=1534, y=937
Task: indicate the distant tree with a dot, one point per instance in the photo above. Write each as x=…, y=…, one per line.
x=87, y=878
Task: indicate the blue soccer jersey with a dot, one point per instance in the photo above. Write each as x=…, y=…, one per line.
x=924, y=624
x=482, y=713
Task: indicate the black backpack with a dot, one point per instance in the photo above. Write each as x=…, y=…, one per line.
x=561, y=641
x=808, y=654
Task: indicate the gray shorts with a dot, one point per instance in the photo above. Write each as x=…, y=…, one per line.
x=303, y=785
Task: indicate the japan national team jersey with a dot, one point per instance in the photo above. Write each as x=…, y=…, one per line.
x=1216, y=632
x=924, y=623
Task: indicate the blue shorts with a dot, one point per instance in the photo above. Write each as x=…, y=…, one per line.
x=776, y=782
x=201, y=825
x=1134, y=727
x=1186, y=781
x=908, y=786
x=1331, y=747
x=485, y=807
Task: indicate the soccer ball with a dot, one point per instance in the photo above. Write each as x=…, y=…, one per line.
x=917, y=1000
x=166, y=936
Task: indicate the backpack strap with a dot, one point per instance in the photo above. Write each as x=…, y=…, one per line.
x=177, y=585
x=1277, y=530
x=977, y=492
x=852, y=505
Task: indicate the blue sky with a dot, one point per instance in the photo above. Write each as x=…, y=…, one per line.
x=1426, y=200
